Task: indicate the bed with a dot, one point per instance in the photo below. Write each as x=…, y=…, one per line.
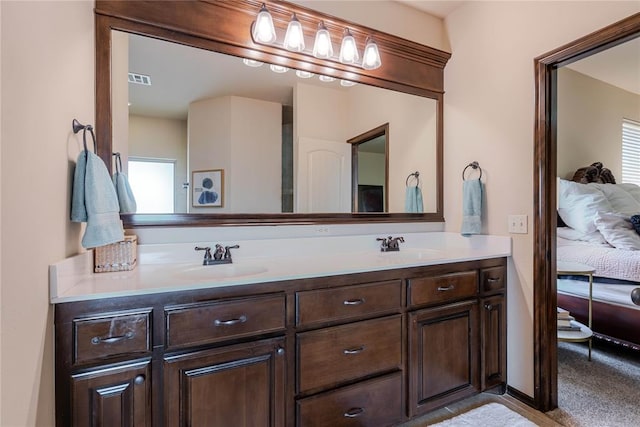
x=597, y=230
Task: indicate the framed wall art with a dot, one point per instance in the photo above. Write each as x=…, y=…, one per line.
x=208, y=188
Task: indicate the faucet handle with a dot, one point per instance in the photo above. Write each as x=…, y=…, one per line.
x=219, y=252
x=207, y=251
x=227, y=251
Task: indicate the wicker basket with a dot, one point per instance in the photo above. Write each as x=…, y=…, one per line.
x=120, y=256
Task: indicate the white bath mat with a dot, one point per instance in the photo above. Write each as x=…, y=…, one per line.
x=489, y=415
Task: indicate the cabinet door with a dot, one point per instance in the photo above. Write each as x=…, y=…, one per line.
x=494, y=342
x=241, y=385
x=443, y=355
x=117, y=396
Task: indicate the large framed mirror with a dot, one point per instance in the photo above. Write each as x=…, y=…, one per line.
x=282, y=141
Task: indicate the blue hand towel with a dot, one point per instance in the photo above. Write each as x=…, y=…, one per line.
x=471, y=207
x=126, y=198
x=95, y=202
x=413, y=200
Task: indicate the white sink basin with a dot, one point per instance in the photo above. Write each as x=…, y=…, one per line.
x=220, y=271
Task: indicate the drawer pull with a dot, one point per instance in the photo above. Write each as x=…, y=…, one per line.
x=354, y=412
x=446, y=288
x=493, y=279
x=353, y=350
x=353, y=301
x=111, y=340
x=230, y=322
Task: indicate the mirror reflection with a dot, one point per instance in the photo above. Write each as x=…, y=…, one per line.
x=280, y=140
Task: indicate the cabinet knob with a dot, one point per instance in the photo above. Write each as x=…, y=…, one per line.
x=280, y=351
x=139, y=380
x=488, y=306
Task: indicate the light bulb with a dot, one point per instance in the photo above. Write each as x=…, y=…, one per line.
x=347, y=83
x=322, y=48
x=278, y=68
x=348, y=49
x=263, y=29
x=294, y=38
x=252, y=62
x=304, y=74
x=371, y=56
x=326, y=79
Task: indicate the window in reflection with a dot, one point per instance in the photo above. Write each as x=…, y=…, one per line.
x=152, y=181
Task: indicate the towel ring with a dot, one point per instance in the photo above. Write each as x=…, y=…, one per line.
x=77, y=127
x=118, y=161
x=473, y=165
x=416, y=174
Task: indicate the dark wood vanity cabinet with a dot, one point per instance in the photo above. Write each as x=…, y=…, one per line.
x=366, y=349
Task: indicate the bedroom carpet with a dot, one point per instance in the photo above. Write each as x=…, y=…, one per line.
x=600, y=393
x=489, y=415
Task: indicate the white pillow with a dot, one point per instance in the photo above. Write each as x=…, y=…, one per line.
x=578, y=204
x=621, y=200
x=617, y=230
x=595, y=238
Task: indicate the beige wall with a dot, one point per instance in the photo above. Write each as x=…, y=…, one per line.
x=590, y=114
x=47, y=80
x=159, y=138
x=489, y=113
x=219, y=138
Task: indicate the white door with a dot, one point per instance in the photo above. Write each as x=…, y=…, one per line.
x=323, y=177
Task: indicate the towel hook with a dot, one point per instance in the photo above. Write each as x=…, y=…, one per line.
x=77, y=127
x=416, y=174
x=474, y=165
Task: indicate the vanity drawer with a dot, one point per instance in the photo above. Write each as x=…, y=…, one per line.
x=111, y=334
x=347, y=302
x=208, y=323
x=376, y=402
x=439, y=289
x=493, y=279
x=333, y=355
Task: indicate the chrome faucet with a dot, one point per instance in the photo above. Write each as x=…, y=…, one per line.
x=390, y=244
x=221, y=255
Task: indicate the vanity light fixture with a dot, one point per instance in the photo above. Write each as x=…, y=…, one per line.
x=263, y=29
x=322, y=48
x=294, y=38
x=371, y=56
x=347, y=83
x=252, y=62
x=348, y=49
x=304, y=74
x=278, y=68
x=326, y=79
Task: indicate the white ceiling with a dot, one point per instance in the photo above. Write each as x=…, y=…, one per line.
x=437, y=8
x=618, y=66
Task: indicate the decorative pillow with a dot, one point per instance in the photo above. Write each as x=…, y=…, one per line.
x=579, y=203
x=617, y=230
x=621, y=200
x=635, y=221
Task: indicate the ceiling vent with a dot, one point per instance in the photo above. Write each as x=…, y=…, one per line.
x=139, y=79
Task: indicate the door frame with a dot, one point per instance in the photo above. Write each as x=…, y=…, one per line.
x=545, y=214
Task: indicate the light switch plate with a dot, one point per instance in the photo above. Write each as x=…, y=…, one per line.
x=517, y=224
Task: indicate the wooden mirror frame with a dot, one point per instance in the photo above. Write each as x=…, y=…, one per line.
x=545, y=214
x=224, y=26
